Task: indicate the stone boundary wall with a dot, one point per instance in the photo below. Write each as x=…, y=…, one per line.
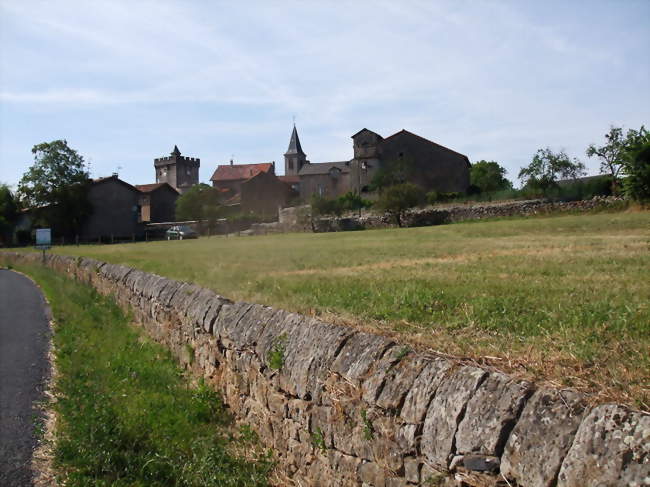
x=342, y=407
x=453, y=214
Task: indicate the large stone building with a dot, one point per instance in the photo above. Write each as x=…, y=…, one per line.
x=180, y=172
x=429, y=165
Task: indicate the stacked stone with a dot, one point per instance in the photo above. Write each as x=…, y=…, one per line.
x=342, y=407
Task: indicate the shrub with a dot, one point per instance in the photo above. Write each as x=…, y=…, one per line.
x=396, y=199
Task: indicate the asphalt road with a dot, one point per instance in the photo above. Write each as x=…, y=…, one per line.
x=24, y=335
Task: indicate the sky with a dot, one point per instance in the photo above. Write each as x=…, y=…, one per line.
x=123, y=82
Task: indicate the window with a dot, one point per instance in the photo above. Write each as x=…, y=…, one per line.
x=291, y=164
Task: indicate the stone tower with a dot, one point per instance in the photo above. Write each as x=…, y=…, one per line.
x=178, y=171
x=294, y=158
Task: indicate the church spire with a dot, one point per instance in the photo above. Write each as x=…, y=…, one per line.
x=294, y=143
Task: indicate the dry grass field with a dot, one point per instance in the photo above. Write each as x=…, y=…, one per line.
x=562, y=299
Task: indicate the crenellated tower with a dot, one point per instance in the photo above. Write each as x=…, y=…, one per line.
x=294, y=158
x=178, y=171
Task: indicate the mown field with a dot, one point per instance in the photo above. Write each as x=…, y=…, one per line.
x=564, y=299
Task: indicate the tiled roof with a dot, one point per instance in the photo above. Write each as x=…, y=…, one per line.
x=148, y=188
x=239, y=171
x=289, y=179
x=324, y=167
x=427, y=140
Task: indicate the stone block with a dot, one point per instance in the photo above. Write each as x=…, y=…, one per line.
x=542, y=436
x=309, y=352
x=611, y=447
x=227, y=321
x=444, y=414
x=481, y=463
x=358, y=355
x=372, y=474
x=379, y=372
x=399, y=381
x=424, y=387
x=412, y=469
x=491, y=414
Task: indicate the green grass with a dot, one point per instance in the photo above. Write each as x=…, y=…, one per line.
x=126, y=414
x=562, y=298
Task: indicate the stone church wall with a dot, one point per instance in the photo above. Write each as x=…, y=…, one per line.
x=341, y=407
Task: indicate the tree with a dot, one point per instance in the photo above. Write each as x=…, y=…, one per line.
x=8, y=213
x=400, y=197
x=489, y=176
x=613, y=154
x=636, y=167
x=546, y=167
x=201, y=202
x=56, y=187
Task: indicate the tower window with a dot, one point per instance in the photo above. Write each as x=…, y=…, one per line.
x=291, y=164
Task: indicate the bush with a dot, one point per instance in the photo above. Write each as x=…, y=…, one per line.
x=336, y=206
x=396, y=199
x=434, y=197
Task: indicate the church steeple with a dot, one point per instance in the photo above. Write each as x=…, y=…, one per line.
x=294, y=143
x=294, y=158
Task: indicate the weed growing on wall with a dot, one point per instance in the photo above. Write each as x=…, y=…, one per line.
x=318, y=440
x=368, y=428
x=276, y=354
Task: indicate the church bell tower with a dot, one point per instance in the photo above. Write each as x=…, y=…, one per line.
x=294, y=158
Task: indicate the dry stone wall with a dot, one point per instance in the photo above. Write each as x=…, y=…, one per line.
x=342, y=407
x=421, y=217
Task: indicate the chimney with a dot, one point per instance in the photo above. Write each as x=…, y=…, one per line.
x=231, y=161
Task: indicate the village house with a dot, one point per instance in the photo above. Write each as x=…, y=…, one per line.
x=157, y=202
x=115, y=210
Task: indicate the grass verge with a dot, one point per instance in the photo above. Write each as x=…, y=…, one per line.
x=126, y=415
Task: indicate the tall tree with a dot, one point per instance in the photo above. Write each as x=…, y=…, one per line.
x=201, y=202
x=489, y=176
x=8, y=213
x=547, y=167
x=56, y=187
x=612, y=154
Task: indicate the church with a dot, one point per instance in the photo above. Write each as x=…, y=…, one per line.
x=432, y=166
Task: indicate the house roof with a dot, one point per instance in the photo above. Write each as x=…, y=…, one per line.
x=365, y=130
x=294, y=143
x=289, y=179
x=113, y=178
x=234, y=172
x=148, y=188
x=403, y=131
x=324, y=168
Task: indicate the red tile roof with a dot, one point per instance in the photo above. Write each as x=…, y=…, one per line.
x=148, y=188
x=240, y=171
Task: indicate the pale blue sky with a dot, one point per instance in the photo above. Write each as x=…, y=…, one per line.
x=125, y=81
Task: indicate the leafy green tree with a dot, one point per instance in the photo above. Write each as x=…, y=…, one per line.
x=636, y=167
x=8, y=213
x=399, y=198
x=489, y=176
x=614, y=154
x=56, y=187
x=547, y=167
x=201, y=202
